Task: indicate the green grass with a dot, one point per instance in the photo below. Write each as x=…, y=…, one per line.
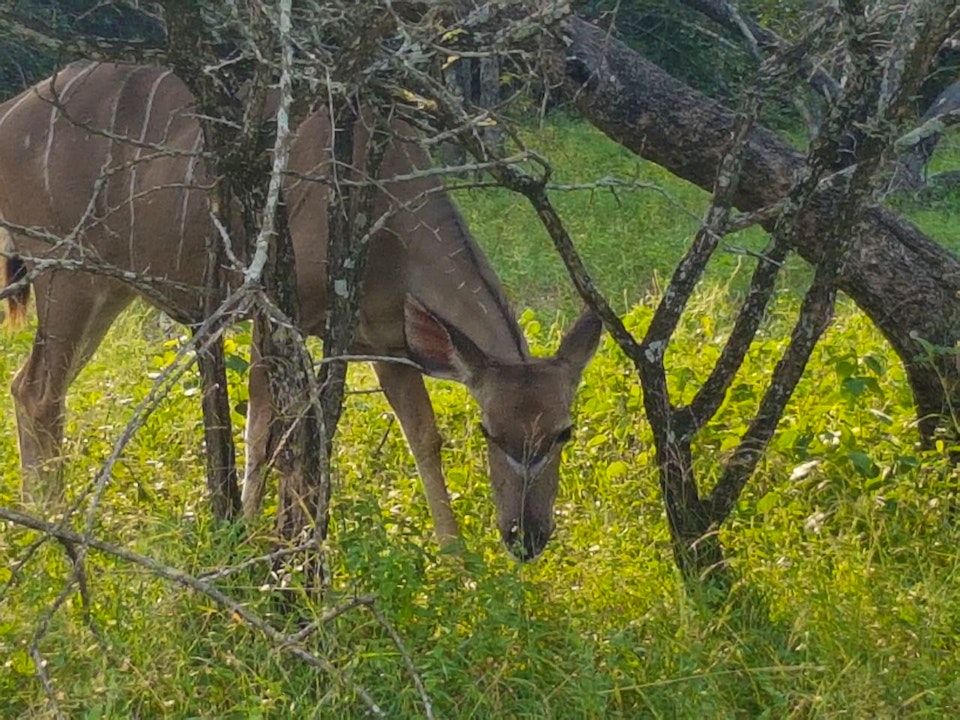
x=630, y=239
x=846, y=600
x=936, y=209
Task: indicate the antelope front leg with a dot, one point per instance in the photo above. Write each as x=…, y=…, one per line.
x=404, y=388
x=256, y=436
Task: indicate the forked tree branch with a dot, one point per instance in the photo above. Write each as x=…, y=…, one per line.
x=863, y=96
x=691, y=267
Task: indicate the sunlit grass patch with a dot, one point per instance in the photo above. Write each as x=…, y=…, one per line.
x=846, y=591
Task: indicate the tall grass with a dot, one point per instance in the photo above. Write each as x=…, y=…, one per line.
x=844, y=544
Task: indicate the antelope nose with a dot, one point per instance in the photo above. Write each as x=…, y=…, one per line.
x=526, y=542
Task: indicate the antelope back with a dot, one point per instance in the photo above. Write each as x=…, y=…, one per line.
x=108, y=156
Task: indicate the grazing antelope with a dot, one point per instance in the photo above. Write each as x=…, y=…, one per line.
x=109, y=156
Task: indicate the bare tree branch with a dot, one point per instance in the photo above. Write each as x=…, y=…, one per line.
x=758, y=37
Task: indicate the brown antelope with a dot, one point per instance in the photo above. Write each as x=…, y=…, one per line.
x=82, y=157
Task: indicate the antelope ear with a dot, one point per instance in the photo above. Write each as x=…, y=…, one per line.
x=580, y=342
x=439, y=348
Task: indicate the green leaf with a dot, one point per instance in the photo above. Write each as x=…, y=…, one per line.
x=768, y=502
x=21, y=663
x=854, y=386
x=236, y=363
x=863, y=463
x=874, y=363
x=617, y=469
x=596, y=441
x=845, y=367
x=873, y=385
x=729, y=442
x=908, y=461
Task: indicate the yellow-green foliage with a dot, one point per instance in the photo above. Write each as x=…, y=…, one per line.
x=848, y=575
x=844, y=544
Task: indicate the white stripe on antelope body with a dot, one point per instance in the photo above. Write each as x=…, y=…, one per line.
x=428, y=294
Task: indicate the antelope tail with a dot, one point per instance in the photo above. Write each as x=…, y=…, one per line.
x=14, y=270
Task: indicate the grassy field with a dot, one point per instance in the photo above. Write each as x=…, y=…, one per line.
x=847, y=600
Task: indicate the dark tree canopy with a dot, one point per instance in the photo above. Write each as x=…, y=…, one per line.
x=22, y=63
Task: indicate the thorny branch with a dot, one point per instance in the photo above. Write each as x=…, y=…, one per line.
x=281, y=151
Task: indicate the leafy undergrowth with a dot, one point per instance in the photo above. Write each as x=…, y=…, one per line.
x=843, y=545
x=847, y=600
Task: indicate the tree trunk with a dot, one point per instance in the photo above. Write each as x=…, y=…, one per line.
x=490, y=98
x=906, y=283
x=697, y=549
x=218, y=432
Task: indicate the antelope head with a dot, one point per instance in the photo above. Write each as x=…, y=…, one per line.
x=525, y=407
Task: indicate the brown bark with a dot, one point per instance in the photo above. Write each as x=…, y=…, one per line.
x=349, y=217
x=906, y=283
x=490, y=98
x=184, y=22
x=218, y=433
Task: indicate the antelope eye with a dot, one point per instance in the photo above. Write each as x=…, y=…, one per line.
x=563, y=437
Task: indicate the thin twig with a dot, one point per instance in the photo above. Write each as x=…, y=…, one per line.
x=328, y=616
x=281, y=149
x=407, y=660
x=270, y=557
x=236, y=609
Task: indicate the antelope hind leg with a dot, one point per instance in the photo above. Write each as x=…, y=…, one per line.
x=39, y=401
x=73, y=315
